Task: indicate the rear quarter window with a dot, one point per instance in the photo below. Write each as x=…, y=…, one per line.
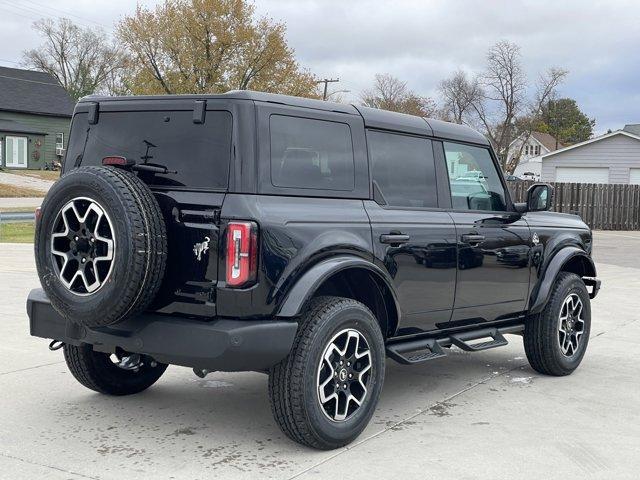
x=311, y=154
x=199, y=154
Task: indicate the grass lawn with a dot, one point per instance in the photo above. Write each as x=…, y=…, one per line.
x=21, y=232
x=13, y=191
x=17, y=209
x=52, y=175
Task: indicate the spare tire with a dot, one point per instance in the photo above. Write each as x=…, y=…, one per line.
x=100, y=245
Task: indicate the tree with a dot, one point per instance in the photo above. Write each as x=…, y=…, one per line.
x=563, y=119
x=497, y=101
x=209, y=46
x=83, y=60
x=458, y=93
x=390, y=93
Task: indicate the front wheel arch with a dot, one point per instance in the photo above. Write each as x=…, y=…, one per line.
x=569, y=259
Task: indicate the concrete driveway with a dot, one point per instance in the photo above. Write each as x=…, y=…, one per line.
x=469, y=416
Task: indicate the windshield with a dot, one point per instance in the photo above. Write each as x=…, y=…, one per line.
x=197, y=155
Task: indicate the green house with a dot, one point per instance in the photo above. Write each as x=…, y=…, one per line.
x=35, y=112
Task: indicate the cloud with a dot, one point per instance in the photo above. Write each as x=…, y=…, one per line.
x=422, y=42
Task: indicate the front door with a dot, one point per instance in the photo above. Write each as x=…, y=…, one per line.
x=16, y=152
x=413, y=239
x=493, y=241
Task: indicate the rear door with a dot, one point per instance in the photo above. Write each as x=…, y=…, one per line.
x=414, y=239
x=493, y=241
x=197, y=155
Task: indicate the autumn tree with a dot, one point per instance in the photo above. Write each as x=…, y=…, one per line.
x=563, y=119
x=209, y=46
x=82, y=59
x=390, y=93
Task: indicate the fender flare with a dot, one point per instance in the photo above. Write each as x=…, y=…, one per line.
x=540, y=293
x=312, y=279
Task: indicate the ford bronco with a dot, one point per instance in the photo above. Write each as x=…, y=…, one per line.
x=308, y=240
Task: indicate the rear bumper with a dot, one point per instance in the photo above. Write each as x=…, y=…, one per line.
x=224, y=345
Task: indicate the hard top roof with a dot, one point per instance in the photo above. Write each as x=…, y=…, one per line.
x=373, y=118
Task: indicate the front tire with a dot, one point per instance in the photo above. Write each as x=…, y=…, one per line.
x=556, y=339
x=325, y=391
x=97, y=371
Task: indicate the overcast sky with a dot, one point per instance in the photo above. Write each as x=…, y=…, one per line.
x=420, y=42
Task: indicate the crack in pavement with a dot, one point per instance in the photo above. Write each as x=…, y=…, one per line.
x=31, y=368
x=68, y=472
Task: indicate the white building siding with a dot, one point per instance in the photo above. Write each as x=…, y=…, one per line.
x=619, y=153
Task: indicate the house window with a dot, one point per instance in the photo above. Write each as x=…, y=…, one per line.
x=537, y=150
x=59, y=143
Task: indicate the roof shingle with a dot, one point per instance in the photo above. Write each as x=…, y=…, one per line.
x=33, y=92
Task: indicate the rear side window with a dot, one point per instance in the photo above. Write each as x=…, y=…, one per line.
x=403, y=168
x=199, y=154
x=309, y=153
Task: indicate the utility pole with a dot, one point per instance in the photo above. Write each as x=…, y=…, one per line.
x=326, y=82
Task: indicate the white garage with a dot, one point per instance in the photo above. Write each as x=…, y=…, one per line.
x=582, y=174
x=610, y=158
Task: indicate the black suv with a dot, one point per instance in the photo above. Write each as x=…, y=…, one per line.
x=304, y=239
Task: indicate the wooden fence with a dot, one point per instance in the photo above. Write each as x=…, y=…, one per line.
x=601, y=206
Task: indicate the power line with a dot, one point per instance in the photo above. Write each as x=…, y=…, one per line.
x=64, y=12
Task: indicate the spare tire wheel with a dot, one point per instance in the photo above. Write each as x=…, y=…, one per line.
x=100, y=245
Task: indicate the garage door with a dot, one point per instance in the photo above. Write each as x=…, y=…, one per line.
x=582, y=174
x=634, y=176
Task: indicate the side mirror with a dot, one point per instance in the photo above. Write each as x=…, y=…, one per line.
x=539, y=197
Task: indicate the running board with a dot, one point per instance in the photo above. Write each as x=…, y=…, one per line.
x=418, y=350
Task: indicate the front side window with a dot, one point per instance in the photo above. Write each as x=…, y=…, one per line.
x=311, y=154
x=474, y=179
x=403, y=169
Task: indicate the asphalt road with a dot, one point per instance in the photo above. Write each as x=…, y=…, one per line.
x=468, y=416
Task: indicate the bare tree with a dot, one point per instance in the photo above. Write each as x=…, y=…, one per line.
x=501, y=106
x=83, y=60
x=390, y=93
x=459, y=93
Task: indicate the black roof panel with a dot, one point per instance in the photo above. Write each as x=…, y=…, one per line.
x=373, y=117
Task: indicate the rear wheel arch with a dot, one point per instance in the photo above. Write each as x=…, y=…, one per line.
x=346, y=277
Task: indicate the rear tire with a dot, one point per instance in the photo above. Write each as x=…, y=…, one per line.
x=556, y=339
x=96, y=371
x=303, y=385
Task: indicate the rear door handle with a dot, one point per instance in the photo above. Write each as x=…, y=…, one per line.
x=394, y=238
x=472, y=239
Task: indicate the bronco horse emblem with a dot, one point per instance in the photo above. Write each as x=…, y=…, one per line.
x=200, y=248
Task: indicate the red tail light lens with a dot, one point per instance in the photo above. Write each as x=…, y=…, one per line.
x=117, y=161
x=242, y=253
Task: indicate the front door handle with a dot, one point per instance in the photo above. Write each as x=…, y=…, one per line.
x=472, y=238
x=394, y=238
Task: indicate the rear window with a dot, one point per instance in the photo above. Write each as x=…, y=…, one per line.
x=199, y=153
x=309, y=153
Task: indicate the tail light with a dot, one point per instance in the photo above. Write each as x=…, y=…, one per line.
x=116, y=161
x=242, y=253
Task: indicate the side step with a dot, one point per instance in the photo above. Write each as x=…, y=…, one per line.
x=418, y=350
x=461, y=340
